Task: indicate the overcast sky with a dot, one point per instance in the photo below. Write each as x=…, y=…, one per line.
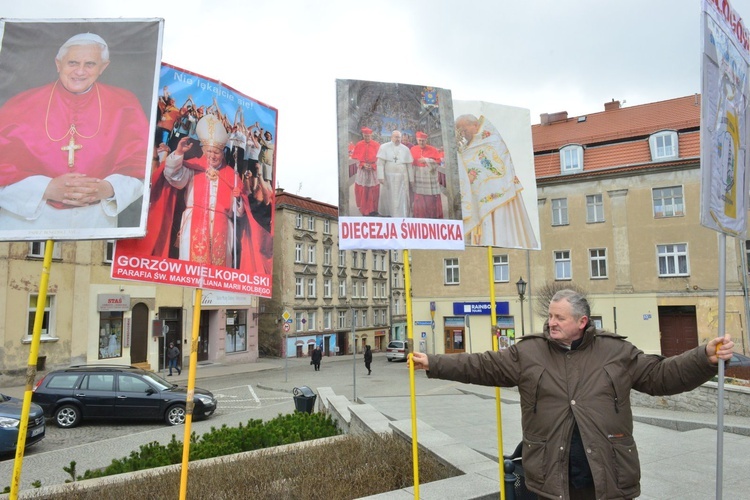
x=543, y=55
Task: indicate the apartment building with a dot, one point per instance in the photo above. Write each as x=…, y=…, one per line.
x=339, y=300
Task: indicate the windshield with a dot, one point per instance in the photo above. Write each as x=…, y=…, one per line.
x=157, y=380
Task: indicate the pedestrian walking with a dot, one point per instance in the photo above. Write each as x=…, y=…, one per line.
x=368, y=359
x=317, y=355
x=173, y=356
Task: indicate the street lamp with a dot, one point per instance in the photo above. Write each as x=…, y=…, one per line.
x=521, y=288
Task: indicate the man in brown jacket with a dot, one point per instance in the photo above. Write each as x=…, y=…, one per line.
x=575, y=382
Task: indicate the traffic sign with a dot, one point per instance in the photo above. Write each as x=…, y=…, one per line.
x=286, y=327
x=287, y=317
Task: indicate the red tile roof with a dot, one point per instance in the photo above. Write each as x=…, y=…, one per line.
x=618, y=138
x=305, y=204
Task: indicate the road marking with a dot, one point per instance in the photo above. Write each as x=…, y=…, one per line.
x=255, y=396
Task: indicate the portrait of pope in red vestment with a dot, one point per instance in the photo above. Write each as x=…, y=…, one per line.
x=73, y=152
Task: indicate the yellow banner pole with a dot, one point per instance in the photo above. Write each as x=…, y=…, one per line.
x=189, y=403
x=410, y=336
x=23, y=425
x=498, y=408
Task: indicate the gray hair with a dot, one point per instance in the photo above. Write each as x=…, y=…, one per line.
x=84, y=39
x=578, y=303
x=468, y=118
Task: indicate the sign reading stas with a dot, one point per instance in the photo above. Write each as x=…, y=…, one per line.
x=75, y=149
x=211, y=210
x=398, y=181
x=724, y=119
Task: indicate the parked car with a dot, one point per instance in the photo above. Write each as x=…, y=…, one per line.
x=115, y=391
x=10, y=420
x=397, y=349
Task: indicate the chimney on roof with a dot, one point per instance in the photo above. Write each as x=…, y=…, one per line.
x=549, y=118
x=611, y=106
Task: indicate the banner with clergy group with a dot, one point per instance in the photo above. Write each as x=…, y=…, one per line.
x=75, y=100
x=496, y=173
x=211, y=211
x=724, y=119
x=398, y=179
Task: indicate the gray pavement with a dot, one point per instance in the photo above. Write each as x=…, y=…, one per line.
x=675, y=464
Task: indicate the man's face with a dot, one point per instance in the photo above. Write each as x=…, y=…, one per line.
x=562, y=324
x=214, y=156
x=368, y=137
x=396, y=137
x=467, y=129
x=422, y=142
x=80, y=67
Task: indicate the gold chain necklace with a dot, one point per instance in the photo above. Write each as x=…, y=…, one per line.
x=72, y=130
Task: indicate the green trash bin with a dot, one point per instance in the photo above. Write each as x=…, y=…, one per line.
x=304, y=399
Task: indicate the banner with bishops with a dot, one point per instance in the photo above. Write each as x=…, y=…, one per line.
x=211, y=212
x=75, y=153
x=398, y=181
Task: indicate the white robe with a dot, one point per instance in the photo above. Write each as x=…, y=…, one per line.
x=493, y=210
x=393, y=171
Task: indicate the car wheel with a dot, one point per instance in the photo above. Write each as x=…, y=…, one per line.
x=389, y=360
x=67, y=416
x=175, y=415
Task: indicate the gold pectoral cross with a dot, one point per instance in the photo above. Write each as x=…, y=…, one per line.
x=71, y=148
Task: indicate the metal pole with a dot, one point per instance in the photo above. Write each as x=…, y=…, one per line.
x=523, y=328
x=720, y=391
x=354, y=357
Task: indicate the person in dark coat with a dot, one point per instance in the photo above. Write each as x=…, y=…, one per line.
x=317, y=355
x=368, y=359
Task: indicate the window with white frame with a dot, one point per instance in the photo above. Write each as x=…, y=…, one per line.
x=311, y=287
x=363, y=313
x=396, y=278
x=668, y=202
x=397, y=306
x=355, y=259
x=364, y=289
x=299, y=326
x=312, y=320
x=311, y=223
x=298, y=221
x=298, y=252
x=326, y=256
x=342, y=258
x=563, y=269
x=36, y=249
x=673, y=260
x=383, y=290
x=342, y=289
x=342, y=319
x=451, y=271
x=664, y=145
x=299, y=287
x=327, y=288
x=594, y=208
x=571, y=159
x=311, y=254
x=355, y=289
x=363, y=260
x=500, y=268
x=109, y=251
x=326, y=226
x=559, y=211
x=355, y=318
x=327, y=320
x=598, y=262
x=48, y=329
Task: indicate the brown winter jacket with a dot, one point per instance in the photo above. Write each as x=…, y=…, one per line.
x=591, y=386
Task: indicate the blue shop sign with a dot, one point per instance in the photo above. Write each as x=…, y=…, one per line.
x=466, y=308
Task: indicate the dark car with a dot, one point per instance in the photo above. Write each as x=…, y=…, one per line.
x=10, y=420
x=397, y=349
x=115, y=391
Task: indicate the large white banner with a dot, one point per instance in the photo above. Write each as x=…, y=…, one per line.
x=724, y=119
